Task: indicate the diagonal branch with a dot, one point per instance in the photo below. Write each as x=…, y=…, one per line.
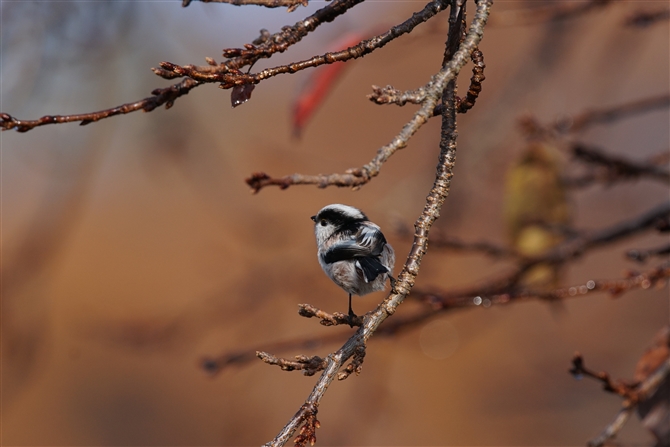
x=611, y=167
x=495, y=292
x=292, y=5
x=357, y=177
x=160, y=96
x=263, y=47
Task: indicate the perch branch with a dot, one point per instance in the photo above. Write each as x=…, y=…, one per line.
x=309, y=365
x=334, y=319
x=431, y=212
x=496, y=292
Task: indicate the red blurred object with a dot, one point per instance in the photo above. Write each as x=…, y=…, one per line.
x=321, y=81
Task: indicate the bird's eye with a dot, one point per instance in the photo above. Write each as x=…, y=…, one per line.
x=323, y=223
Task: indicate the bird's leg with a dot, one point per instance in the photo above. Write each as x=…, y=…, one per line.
x=352, y=315
x=393, y=281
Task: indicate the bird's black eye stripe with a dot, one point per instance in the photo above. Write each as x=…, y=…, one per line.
x=337, y=217
x=323, y=222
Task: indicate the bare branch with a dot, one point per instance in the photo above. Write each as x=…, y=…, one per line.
x=613, y=427
x=357, y=177
x=556, y=12
x=622, y=388
x=160, y=96
x=363, y=48
x=309, y=365
x=644, y=19
x=390, y=95
x=583, y=121
x=643, y=255
x=634, y=393
x=440, y=240
x=334, y=319
x=589, y=118
x=290, y=4
x=495, y=292
x=504, y=291
x=475, y=89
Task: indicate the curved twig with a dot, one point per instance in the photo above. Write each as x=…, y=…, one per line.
x=160, y=96
x=357, y=177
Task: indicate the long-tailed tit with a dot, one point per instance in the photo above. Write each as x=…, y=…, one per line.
x=352, y=250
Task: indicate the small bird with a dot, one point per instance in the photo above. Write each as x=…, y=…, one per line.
x=352, y=251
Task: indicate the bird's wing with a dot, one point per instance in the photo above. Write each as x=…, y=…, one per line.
x=371, y=267
x=370, y=236
x=368, y=241
x=346, y=250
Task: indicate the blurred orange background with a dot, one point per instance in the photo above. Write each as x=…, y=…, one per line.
x=132, y=248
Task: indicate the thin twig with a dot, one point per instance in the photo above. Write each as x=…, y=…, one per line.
x=612, y=168
x=504, y=291
x=633, y=392
x=334, y=319
x=495, y=292
x=475, y=88
x=308, y=365
x=589, y=118
x=160, y=96
x=391, y=95
x=290, y=4
x=643, y=19
x=613, y=427
x=557, y=12
x=229, y=78
x=642, y=256
x=585, y=120
x=357, y=177
x=440, y=240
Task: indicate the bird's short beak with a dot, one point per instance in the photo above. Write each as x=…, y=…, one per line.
x=313, y=218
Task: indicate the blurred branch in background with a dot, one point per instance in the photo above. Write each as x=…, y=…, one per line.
x=647, y=393
x=592, y=117
x=290, y=5
x=482, y=295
